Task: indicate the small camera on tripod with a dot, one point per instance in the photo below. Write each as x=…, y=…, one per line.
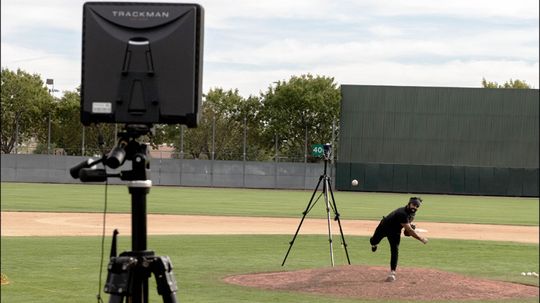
x=324, y=151
x=327, y=151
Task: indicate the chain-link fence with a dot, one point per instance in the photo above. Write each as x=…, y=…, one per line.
x=203, y=145
x=173, y=172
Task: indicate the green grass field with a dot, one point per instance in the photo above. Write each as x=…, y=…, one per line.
x=273, y=203
x=65, y=269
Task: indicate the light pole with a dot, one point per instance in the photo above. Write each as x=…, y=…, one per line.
x=50, y=86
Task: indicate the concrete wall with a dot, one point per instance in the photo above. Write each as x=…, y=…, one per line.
x=174, y=172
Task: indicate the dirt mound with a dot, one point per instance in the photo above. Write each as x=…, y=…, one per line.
x=368, y=283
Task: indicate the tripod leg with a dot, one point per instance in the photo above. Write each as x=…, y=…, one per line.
x=339, y=223
x=301, y=221
x=116, y=299
x=325, y=191
x=120, y=278
x=140, y=286
x=165, y=280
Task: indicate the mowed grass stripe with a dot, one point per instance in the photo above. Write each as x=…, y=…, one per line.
x=271, y=203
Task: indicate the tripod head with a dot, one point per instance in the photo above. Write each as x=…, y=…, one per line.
x=127, y=148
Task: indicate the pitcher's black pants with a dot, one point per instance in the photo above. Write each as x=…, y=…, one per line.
x=393, y=238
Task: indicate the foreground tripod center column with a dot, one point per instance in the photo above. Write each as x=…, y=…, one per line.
x=138, y=190
x=128, y=273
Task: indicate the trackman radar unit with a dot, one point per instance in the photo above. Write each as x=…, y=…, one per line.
x=141, y=63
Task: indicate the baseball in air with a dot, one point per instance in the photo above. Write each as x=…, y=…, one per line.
x=354, y=182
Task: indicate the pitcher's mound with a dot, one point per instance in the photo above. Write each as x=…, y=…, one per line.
x=368, y=283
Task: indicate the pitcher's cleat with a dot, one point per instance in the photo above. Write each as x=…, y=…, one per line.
x=391, y=277
x=373, y=248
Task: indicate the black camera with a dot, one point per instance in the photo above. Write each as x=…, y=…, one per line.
x=327, y=149
x=141, y=63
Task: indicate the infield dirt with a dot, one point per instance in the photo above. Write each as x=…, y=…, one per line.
x=88, y=224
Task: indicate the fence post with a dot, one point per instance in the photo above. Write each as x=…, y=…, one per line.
x=333, y=140
x=213, y=150
x=244, y=153
x=305, y=156
x=181, y=156
x=115, y=133
x=83, y=138
x=305, y=145
x=276, y=160
x=213, y=137
x=334, y=154
x=16, y=134
x=181, y=142
x=49, y=136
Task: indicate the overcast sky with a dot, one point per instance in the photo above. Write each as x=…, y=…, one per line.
x=250, y=44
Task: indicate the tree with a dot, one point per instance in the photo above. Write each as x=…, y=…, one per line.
x=221, y=128
x=25, y=102
x=67, y=129
x=256, y=147
x=227, y=121
x=521, y=84
x=302, y=104
x=223, y=110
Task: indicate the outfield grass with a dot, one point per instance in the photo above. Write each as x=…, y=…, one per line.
x=274, y=203
x=65, y=269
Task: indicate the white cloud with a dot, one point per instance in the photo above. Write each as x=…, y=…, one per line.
x=65, y=72
x=249, y=44
x=51, y=14
x=465, y=8
x=458, y=73
x=449, y=74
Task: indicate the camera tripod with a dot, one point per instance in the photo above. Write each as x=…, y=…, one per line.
x=327, y=189
x=129, y=272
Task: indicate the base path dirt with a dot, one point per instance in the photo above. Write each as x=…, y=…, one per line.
x=90, y=224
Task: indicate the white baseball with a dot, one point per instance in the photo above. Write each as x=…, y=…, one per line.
x=354, y=182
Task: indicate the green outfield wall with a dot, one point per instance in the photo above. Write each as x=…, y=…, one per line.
x=439, y=140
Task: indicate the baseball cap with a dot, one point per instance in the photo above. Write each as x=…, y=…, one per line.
x=416, y=200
